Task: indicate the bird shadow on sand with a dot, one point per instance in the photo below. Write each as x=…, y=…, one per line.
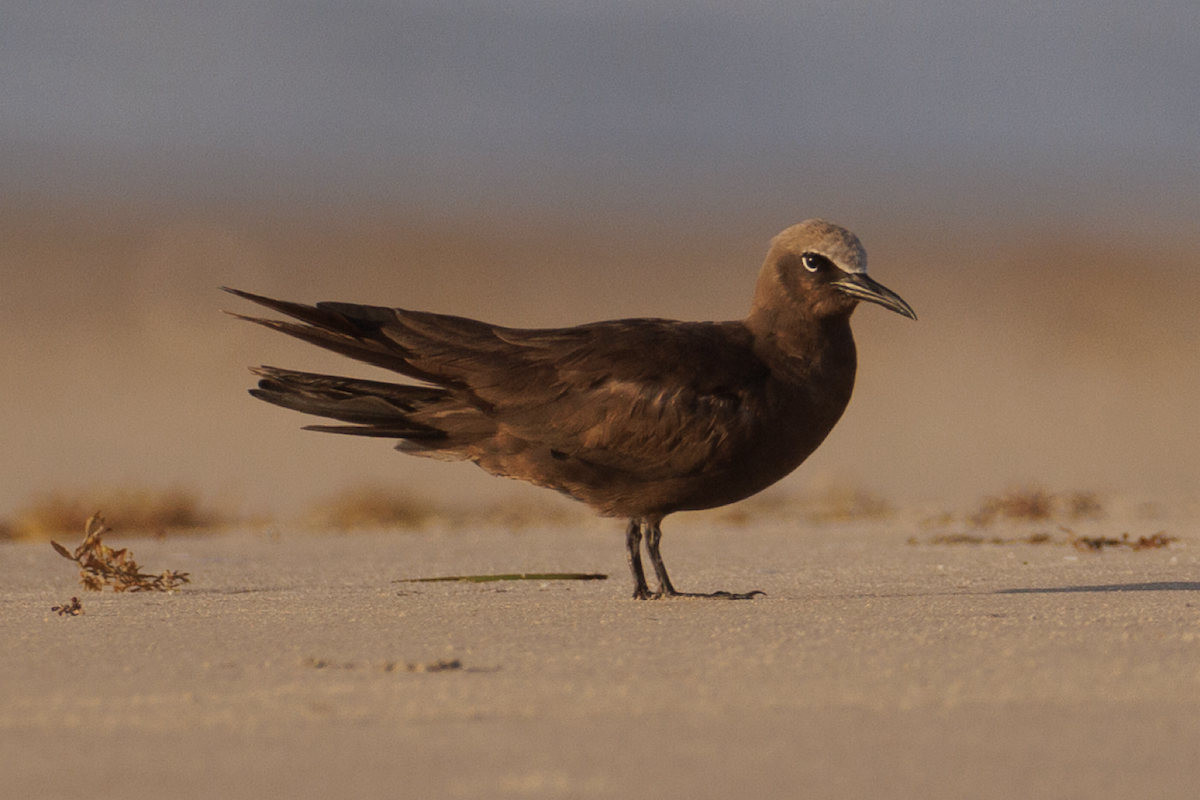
x=1156, y=586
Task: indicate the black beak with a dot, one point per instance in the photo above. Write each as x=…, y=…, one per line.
x=857, y=284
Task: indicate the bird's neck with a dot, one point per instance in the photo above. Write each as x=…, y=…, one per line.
x=801, y=344
x=812, y=363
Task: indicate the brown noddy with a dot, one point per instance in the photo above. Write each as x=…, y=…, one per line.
x=637, y=418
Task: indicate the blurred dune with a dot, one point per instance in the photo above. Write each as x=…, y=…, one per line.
x=1047, y=352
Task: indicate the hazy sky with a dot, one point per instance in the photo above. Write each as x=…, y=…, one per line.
x=452, y=103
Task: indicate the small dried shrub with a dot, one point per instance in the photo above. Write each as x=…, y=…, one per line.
x=1098, y=543
x=824, y=502
x=845, y=502
x=971, y=538
x=1035, y=504
x=100, y=565
x=70, y=609
x=137, y=511
x=1025, y=503
x=1081, y=505
x=371, y=506
x=1092, y=544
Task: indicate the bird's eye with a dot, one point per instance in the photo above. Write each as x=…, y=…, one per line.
x=814, y=262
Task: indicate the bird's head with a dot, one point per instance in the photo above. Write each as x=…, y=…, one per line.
x=818, y=269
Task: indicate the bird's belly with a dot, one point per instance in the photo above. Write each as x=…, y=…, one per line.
x=626, y=485
x=712, y=485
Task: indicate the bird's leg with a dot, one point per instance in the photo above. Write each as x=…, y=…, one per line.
x=665, y=589
x=633, y=543
x=653, y=537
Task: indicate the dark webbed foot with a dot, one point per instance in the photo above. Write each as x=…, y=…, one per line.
x=641, y=590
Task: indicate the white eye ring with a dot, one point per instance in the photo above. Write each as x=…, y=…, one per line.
x=811, y=262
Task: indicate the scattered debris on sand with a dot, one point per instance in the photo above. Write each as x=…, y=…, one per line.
x=100, y=565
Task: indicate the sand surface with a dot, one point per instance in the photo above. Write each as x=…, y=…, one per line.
x=295, y=665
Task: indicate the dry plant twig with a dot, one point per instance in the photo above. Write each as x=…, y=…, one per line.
x=1088, y=544
x=1035, y=504
x=441, y=665
x=71, y=609
x=100, y=565
x=515, y=576
x=1097, y=543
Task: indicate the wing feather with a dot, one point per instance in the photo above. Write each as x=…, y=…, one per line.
x=648, y=398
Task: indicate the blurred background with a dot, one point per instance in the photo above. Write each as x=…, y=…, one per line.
x=1027, y=176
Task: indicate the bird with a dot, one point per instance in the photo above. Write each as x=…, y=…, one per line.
x=636, y=418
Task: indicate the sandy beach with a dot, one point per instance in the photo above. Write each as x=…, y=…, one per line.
x=880, y=664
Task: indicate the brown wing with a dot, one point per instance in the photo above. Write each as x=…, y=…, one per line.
x=648, y=398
